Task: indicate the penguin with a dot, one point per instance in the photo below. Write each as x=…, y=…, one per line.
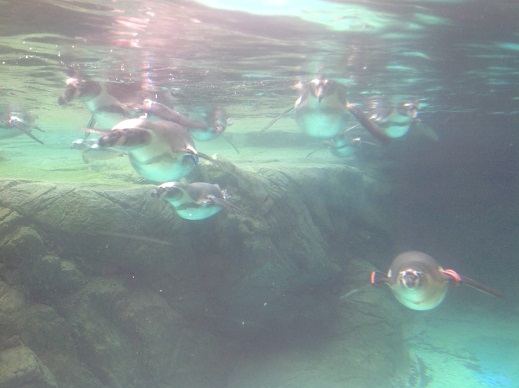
x=14, y=123
x=217, y=120
x=212, y=124
x=108, y=102
x=194, y=201
x=90, y=150
x=323, y=111
x=420, y=283
x=160, y=151
x=111, y=102
x=343, y=145
x=156, y=109
x=396, y=121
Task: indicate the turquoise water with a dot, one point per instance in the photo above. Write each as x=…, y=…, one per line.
x=103, y=284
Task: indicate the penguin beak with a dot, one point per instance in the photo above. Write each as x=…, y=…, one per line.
x=320, y=88
x=320, y=94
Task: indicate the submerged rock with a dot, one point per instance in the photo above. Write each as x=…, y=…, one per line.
x=127, y=294
x=20, y=367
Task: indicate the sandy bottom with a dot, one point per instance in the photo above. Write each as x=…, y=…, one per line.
x=468, y=346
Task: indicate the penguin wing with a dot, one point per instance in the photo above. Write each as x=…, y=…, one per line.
x=224, y=203
x=377, y=278
x=368, y=124
x=480, y=287
x=454, y=278
x=27, y=132
x=277, y=118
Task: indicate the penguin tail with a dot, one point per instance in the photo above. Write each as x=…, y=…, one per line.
x=377, y=278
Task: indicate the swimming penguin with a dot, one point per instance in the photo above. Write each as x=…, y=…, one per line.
x=160, y=151
x=194, y=201
x=210, y=125
x=323, y=110
x=396, y=120
x=14, y=123
x=420, y=283
x=156, y=109
x=106, y=101
x=91, y=150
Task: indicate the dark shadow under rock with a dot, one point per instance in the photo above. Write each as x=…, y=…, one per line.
x=361, y=346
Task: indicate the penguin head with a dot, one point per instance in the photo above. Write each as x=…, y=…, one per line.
x=409, y=109
x=125, y=137
x=171, y=191
x=218, y=120
x=411, y=278
x=319, y=87
x=79, y=88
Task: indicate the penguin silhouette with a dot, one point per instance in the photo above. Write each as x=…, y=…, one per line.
x=420, y=283
x=323, y=111
x=194, y=201
x=160, y=151
x=14, y=123
x=207, y=125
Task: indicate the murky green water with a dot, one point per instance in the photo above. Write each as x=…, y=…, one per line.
x=276, y=270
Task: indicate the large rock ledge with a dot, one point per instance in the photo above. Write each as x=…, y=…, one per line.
x=107, y=286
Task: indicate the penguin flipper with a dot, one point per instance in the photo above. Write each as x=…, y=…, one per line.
x=92, y=122
x=277, y=118
x=480, y=287
x=426, y=131
x=231, y=143
x=28, y=133
x=367, y=124
x=377, y=278
x=454, y=278
x=226, y=204
x=314, y=151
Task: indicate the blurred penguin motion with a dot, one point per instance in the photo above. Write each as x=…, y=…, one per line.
x=420, y=283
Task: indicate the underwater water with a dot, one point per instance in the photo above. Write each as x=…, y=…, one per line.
x=104, y=283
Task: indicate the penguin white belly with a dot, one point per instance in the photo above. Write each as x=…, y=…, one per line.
x=188, y=209
x=198, y=213
x=396, y=125
x=157, y=162
x=421, y=298
x=321, y=121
